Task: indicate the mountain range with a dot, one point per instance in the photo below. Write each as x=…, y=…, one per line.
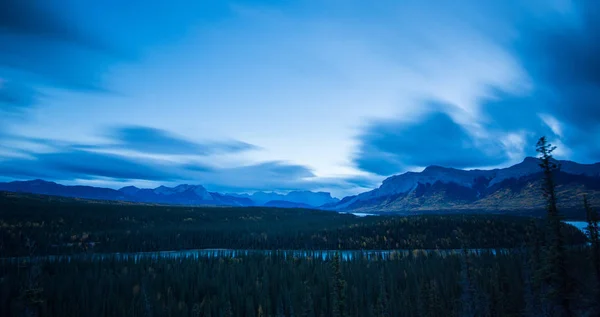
x=435, y=189
x=515, y=188
x=194, y=195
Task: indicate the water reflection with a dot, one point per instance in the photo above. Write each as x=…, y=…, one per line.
x=232, y=253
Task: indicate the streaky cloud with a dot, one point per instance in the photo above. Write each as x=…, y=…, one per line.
x=62, y=161
x=562, y=56
x=78, y=164
x=157, y=141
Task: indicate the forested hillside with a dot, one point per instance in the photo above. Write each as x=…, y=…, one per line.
x=63, y=225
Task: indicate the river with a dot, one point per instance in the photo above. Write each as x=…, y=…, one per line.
x=217, y=253
x=230, y=253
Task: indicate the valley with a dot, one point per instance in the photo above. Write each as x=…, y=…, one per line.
x=439, y=242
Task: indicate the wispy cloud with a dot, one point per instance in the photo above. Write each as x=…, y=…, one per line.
x=61, y=161
x=554, y=91
x=560, y=52
x=389, y=86
x=157, y=141
x=67, y=164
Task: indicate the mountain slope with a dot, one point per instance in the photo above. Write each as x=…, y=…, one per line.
x=513, y=188
x=307, y=198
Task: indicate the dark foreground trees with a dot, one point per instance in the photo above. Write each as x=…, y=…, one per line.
x=409, y=285
x=593, y=231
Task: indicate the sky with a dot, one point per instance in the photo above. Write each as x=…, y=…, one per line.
x=327, y=95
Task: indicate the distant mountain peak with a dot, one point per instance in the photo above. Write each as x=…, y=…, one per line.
x=129, y=187
x=40, y=182
x=183, y=194
x=437, y=168
x=129, y=190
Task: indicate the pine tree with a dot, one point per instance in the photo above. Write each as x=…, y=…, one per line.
x=307, y=304
x=227, y=310
x=382, y=301
x=557, y=275
x=530, y=270
x=339, y=288
x=31, y=294
x=280, y=311
x=289, y=305
x=467, y=297
x=424, y=304
x=148, y=311
x=594, y=238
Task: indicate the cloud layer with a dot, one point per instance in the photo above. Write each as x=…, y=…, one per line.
x=63, y=161
x=391, y=146
x=158, y=141
x=390, y=87
x=560, y=53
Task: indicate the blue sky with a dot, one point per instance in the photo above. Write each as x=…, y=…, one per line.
x=279, y=95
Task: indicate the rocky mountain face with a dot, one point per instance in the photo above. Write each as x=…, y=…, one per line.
x=514, y=188
x=179, y=195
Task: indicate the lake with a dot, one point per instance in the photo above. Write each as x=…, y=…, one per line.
x=581, y=225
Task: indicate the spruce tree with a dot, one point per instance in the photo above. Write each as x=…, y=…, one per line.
x=308, y=304
x=31, y=294
x=531, y=270
x=227, y=310
x=468, y=300
x=555, y=270
x=339, y=288
x=148, y=310
x=594, y=238
x=382, y=301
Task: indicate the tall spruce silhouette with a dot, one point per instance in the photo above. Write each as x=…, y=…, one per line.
x=560, y=285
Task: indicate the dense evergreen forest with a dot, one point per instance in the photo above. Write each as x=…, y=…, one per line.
x=412, y=285
x=64, y=226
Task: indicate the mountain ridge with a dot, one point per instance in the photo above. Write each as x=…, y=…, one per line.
x=442, y=188
x=298, y=196
x=436, y=188
x=183, y=194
